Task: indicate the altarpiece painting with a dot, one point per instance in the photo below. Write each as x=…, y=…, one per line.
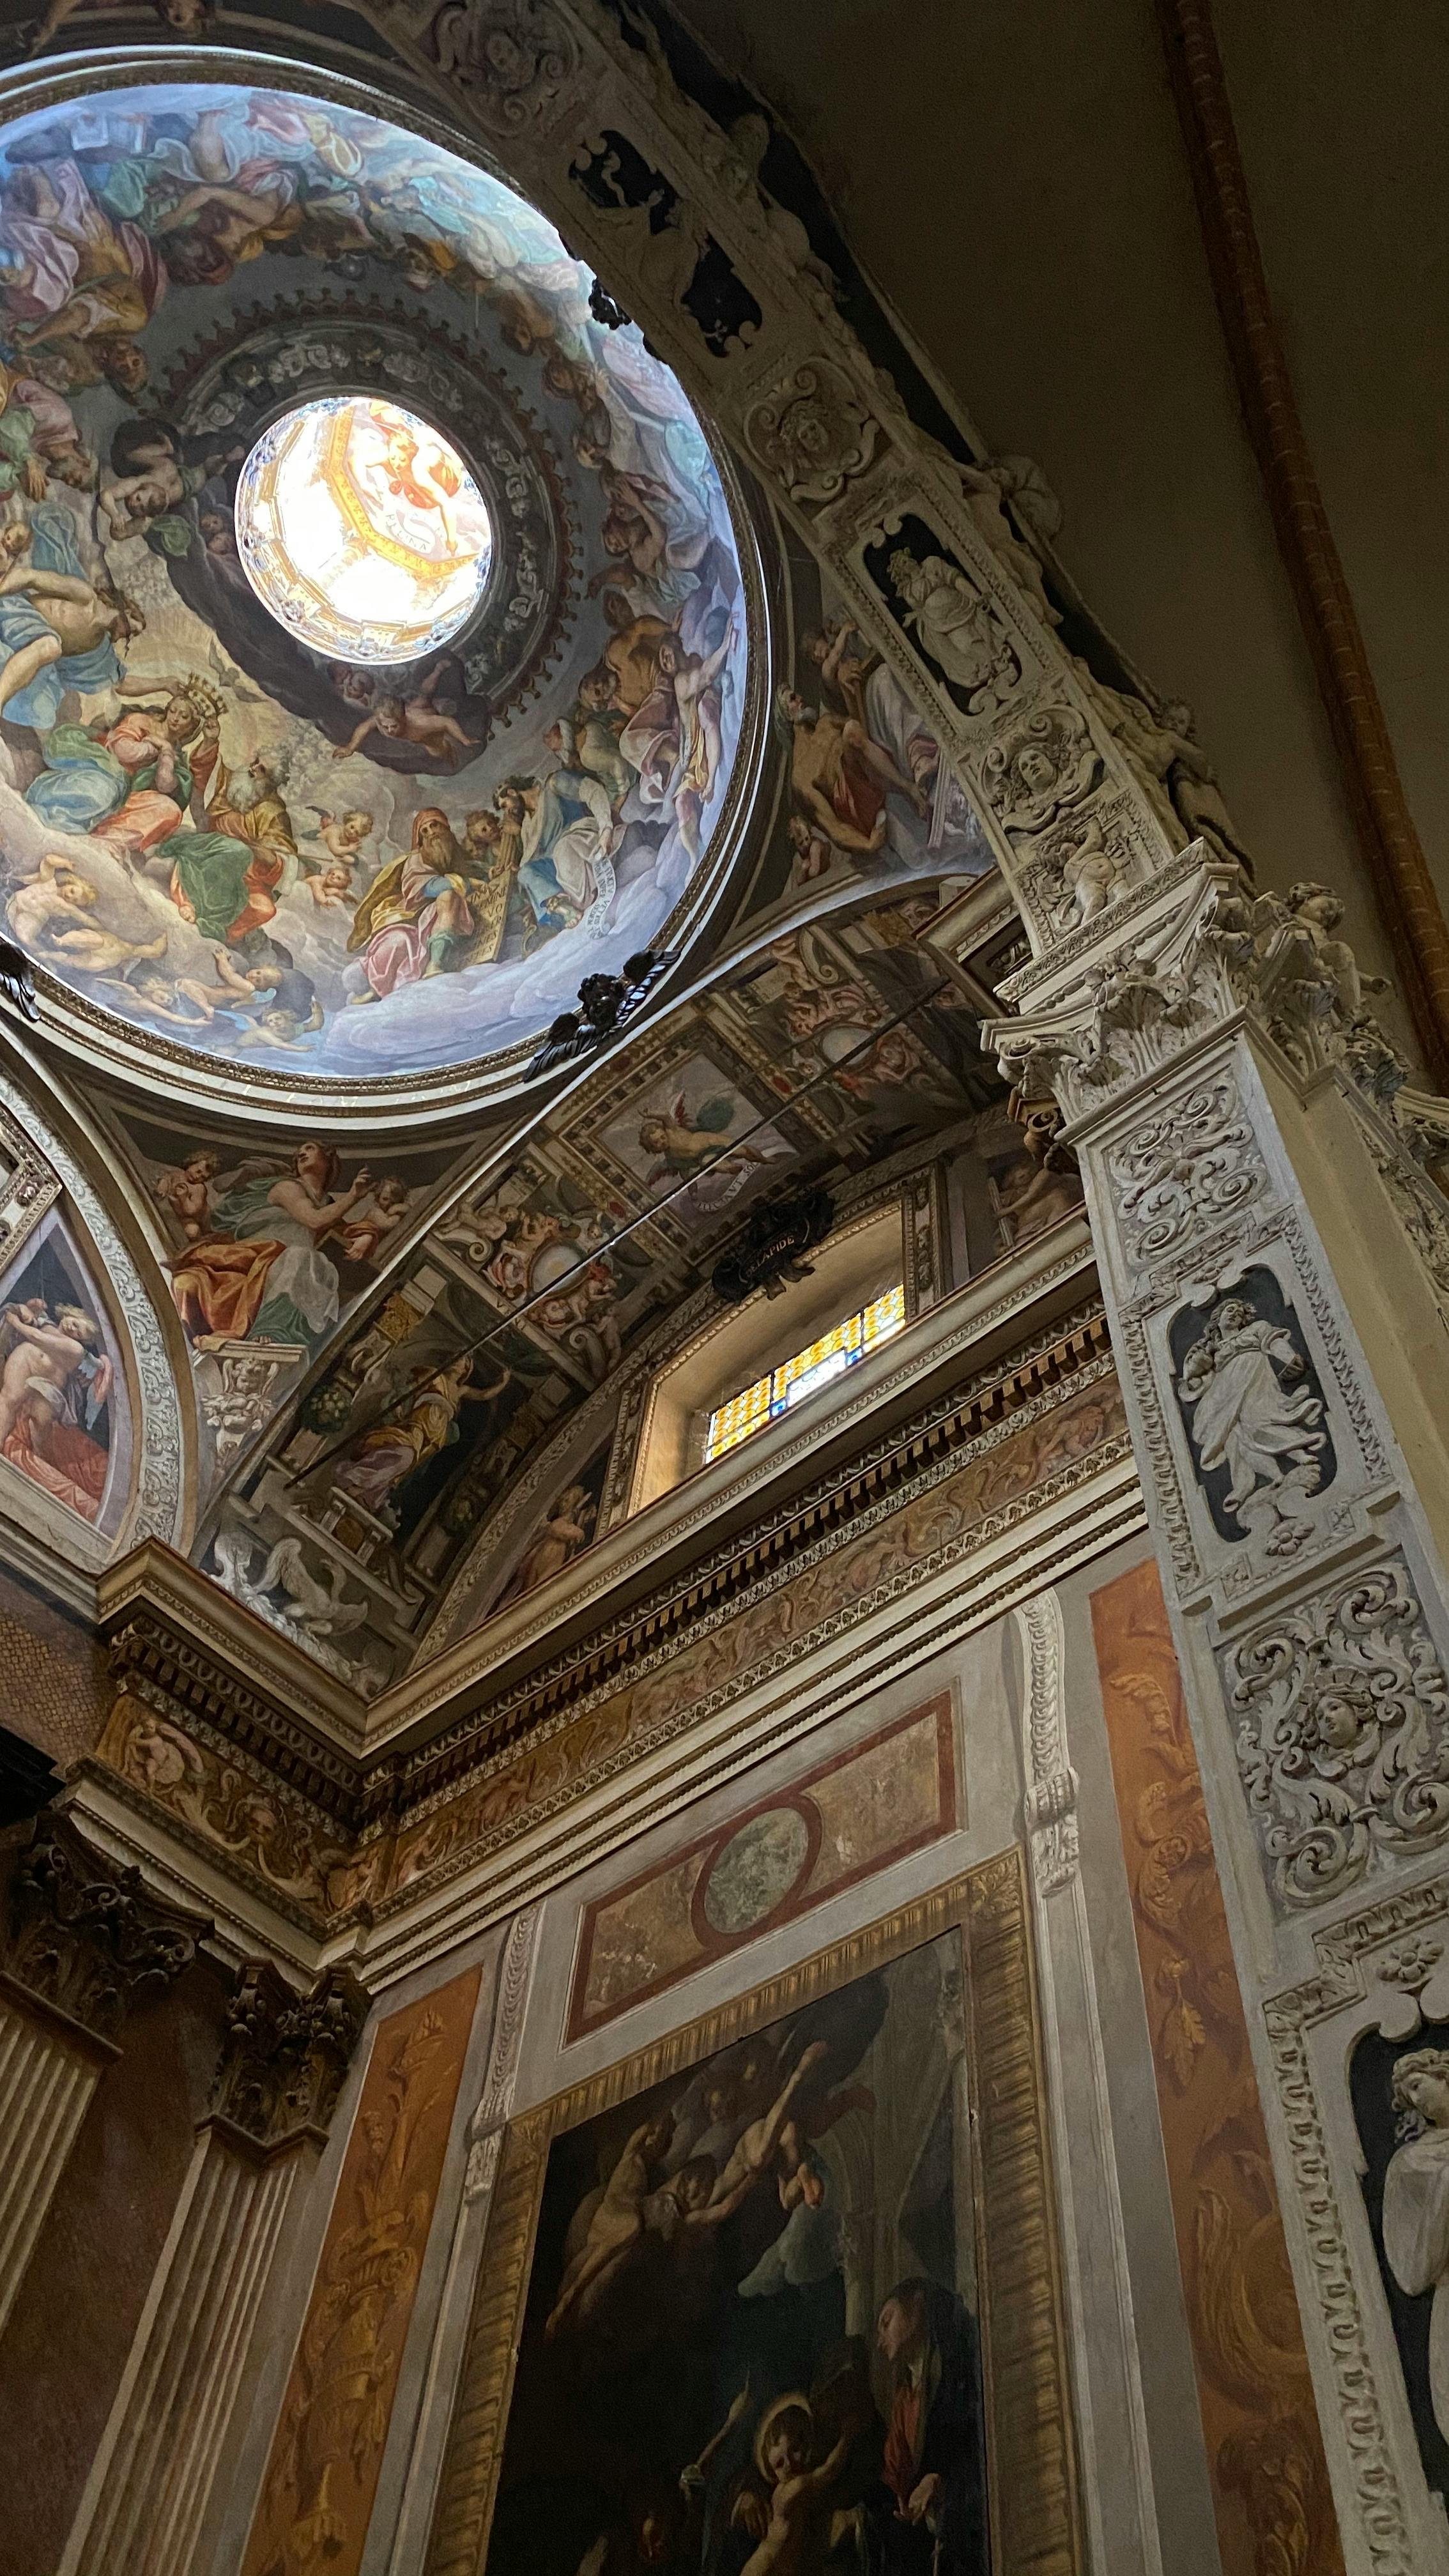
x=783, y=2289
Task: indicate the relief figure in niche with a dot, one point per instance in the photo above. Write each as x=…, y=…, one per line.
x=1400, y=2097
x=1416, y=2204
x=1254, y=1412
x=749, y=2346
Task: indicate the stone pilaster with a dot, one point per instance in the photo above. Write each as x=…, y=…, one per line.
x=85, y=1940
x=276, y=2088
x=1274, y=1255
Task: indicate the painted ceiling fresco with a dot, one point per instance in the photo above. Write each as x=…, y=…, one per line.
x=297, y=853
x=478, y=1386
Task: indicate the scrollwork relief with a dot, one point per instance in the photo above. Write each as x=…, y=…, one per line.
x=1341, y=1711
x=1050, y=1802
x=1189, y=1167
x=511, y=58
x=815, y=433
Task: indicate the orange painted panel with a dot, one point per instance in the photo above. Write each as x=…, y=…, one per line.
x=321, y=2479
x=1275, y=2512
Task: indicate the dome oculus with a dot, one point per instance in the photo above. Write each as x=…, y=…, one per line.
x=362, y=531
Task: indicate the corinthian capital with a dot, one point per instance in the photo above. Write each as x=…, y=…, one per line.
x=1175, y=959
x=286, y=2055
x=86, y=1938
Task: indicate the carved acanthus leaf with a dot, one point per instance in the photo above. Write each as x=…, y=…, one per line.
x=286, y=2054
x=89, y=1938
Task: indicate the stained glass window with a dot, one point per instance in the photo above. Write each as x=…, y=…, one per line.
x=842, y=1348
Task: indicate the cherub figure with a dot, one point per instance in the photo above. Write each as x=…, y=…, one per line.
x=185, y=1192
x=331, y=887
x=618, y=2218
x=774, y=2132
x=378, y=1216
x=50, y=916
x=783, y=2446
x=414, y=719
x=343, y=835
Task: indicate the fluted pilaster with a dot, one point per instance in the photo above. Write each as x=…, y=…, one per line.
x=85, y=1941
x=281, y=2071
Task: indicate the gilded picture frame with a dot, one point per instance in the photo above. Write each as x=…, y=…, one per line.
x=1032, y=2478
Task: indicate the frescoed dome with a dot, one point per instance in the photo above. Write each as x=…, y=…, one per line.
x=374, y=642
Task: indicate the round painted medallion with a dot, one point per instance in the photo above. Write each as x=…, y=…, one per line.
x=755, y=1870
x=362, y=530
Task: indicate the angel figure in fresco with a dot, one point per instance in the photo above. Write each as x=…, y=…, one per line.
x=1235, y=1381
x=694, y=2198
x=51, y=917
x=185, y=1190
x=343, y=835
x=688, y=1144
x=375, y=1218
x=421, y=475
x=413, y=719
x=1416, y=2203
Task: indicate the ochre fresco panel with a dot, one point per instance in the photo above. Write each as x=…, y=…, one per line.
x=842, y=1822
x=321, y=2478
x=1265, y=2453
